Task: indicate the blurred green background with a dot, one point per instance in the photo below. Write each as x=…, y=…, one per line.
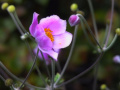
x=16, y=57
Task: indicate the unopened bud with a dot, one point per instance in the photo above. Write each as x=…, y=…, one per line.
x=8, y=82
x=74, y=7
x=4, y=6
x=103, y=87
x=11, y=8
x=118, y=31
x=74, y=20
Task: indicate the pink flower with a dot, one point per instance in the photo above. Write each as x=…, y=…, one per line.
x=50, y=34
x=74, y=20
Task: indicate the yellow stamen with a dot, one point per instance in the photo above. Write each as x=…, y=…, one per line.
x=48, y=32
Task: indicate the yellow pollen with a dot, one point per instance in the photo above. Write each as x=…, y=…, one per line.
x=48, y=32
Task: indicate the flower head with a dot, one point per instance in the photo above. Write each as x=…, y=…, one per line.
x=74, y=20
x=50, y=34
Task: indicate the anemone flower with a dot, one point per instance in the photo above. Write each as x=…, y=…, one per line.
x=50, y=34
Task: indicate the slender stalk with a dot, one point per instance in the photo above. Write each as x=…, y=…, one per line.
x=19, y=22
x=83, y=27
x=93, y=18
x=82, y=73
x=30, y=70
x=82, y=18
x=16, y=23
x=46, y=66
x=13, y=76
x=106, y=32
x=111, y=44
x=70, y=54
x=110, y=26
x=53, y=74
x=2, y=78
x=39, y=72
x=95, y=76
x=58, y=66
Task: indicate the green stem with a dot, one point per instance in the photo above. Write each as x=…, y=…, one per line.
x=82, y=18
x=106, y=32
x=95, y=76
x=53, y=74
x=13, y=76
x=19, y=22
x=39, y=72
x=111, y=44
x=45, y=64
x=30, y=70
x=16, y=23
x=84, y=72
x=93, y=18
x=110, y=26
x=2, y=78
x=70, y=54
x=83, y=27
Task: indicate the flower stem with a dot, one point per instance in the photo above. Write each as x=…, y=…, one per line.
x=53, y=73
x=95, y=76
x=19, y=22
x=13, y=76
x=58, y=66
x=2, y=78
x=70, y=54
x=106, y=32
x=110, y=26
x=30, y=70
x=83, y=27
x=45, y=64
x=111, y=44
x=82, y=18
x=93, y=18
x=16, y=23
x=84, y=72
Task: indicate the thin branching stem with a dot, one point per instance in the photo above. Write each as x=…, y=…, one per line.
x=110, y=26
x=16, y=78
x=53, y=73
x=85, y=32
x=95, y=76
x=70, y=54
x=30, y=70
x=82, y=73
x=46, y=66
x=93, y=18
x=89, y=29
x=2, y=78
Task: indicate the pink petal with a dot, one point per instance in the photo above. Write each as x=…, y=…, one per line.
x=47, y=59
x=62, y=40
x=54, y=23
x=51, y=53
x=39, y=31
x=44, y=42
x=34, y=23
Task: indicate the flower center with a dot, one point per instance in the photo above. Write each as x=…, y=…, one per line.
x=48, y=32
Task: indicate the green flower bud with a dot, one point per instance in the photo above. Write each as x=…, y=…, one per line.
x=74, y=7
x=103, y=87
x=118, y=31
x=11, y=8
x=4, y=6
x=8, y=82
